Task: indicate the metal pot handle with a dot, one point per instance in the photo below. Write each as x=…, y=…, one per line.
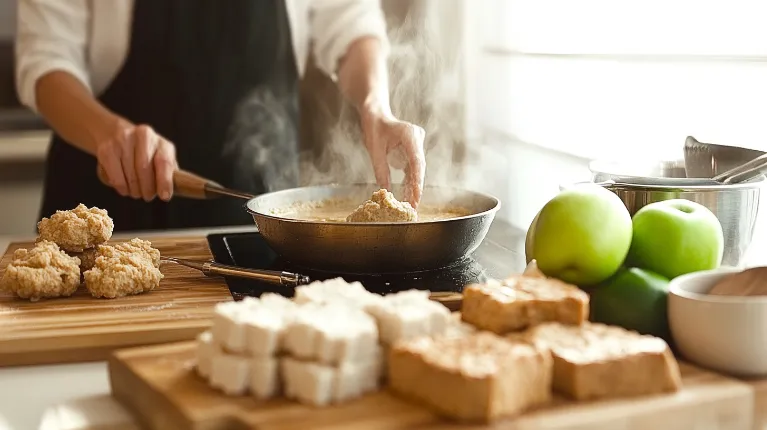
x=606, y=183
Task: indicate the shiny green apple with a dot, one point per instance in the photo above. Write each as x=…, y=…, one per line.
x=529, y=239
x=675, y=237
x=581, y=236
x=633, y=298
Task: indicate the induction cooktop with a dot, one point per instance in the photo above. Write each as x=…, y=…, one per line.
x=250, y=250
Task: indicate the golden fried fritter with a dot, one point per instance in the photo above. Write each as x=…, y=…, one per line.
x=124, y=269
x=383, y=207
x=139, y=246
x=45, y=271
x=87, y=258
x=77, y=229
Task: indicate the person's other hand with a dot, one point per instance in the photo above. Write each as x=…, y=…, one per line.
x=399, y=144
x=138, y=162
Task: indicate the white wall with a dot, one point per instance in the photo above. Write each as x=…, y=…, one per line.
x=540, y=106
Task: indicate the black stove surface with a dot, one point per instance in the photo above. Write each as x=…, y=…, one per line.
x=490, y=260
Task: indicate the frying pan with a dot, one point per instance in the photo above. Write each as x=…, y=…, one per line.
x=346, y=247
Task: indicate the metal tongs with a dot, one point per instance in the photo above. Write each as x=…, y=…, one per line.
x=702, y=160
x=211, y=268
x=744, y=172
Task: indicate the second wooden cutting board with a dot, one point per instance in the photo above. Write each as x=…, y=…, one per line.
x=83, y=328
x=160, y=386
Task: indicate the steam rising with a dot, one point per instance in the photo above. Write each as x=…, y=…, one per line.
x=424, y=84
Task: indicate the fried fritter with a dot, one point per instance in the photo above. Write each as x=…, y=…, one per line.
x=87, y=258
x=124, y=269
x=142, y=247
x=45, y=271
x=383, y=207
x=77, y=229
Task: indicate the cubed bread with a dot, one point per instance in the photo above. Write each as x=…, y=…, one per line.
x=456, y=327
x=479, y=377
x=230, y=373
x=264, y=329
x=520, y=302
x=229, y=324
x=319, y=385
x=332, y=334
x=264, y=377
x=594, y=361
x=276, y=301
x=205, y=351
x=336, y=291
x=408, y=315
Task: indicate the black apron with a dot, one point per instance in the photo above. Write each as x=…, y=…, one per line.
x=219, y=80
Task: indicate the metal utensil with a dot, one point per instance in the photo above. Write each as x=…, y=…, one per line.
x=706, y=160
x=211, y=268
x=670, y=173
x=745, y=172
x=191, y=186
x=346, y=247
x=735, y=205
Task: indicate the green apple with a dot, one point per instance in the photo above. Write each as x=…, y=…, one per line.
x=581, y=236
x=675, y=237
x=633, y=298
x=529, y=239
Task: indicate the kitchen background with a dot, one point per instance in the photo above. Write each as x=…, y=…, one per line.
x=517, y=96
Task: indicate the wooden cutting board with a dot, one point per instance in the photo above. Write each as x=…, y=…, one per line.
x=83, y=328
x=159, y=385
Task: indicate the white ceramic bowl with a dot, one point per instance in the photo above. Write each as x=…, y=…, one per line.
x=723, y=333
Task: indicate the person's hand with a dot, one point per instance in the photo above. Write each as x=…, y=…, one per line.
x=399, y=144
x=138, y=162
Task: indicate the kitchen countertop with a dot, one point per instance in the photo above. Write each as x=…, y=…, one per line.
x=77, y=396
x=26, y=392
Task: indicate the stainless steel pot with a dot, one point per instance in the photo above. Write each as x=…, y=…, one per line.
x=736, y=206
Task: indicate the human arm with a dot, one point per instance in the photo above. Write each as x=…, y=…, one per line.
x=52, y=80
x=351, y=45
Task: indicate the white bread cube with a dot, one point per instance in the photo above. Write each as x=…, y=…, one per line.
x=336, y=291
x=408, y=315
x=352, y=380
x=458, y=328
x=276, y=301
x=479, y=377
x=205, y=351
x=408, y=296
x=230, y=373
x=331, y=334
x=228, y=325
x=520, y=302
x=264, y=328
x=264, y=377
x=588, y=355
x=320, y=385
x=307, y=382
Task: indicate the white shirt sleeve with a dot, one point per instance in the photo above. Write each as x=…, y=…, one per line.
x=51, y=35
x=335, y=24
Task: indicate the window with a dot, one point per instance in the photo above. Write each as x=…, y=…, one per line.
x=609, y=78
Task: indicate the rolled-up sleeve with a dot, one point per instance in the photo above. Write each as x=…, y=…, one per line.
x=335, y=24
x=51, y=35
